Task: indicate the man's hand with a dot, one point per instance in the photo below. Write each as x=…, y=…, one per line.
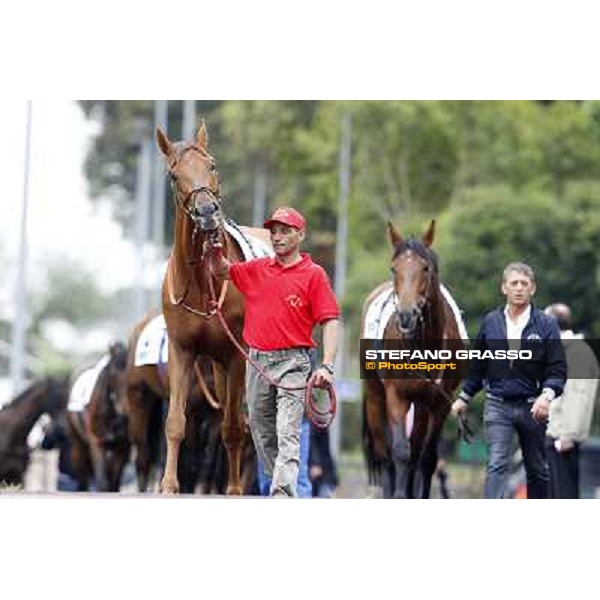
x=459, y=406
x=322, y=378
x=541, y=408
x=563, y=444
x=213, y=250
x=315, y=471
x=212, y=247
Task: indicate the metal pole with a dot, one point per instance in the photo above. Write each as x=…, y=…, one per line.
x=260, y=194
x=161, y=117
x=341, y=251
x=142, y=216
x=19, y=323
x=189, y=119
x=341, y=247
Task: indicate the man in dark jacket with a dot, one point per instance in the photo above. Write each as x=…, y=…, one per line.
x=518, y=391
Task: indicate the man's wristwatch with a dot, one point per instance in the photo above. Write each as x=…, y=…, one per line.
x=329, y=368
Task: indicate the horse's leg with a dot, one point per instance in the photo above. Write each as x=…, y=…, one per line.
x=397, y=409
x=375, y=438
x=113, y=479
x=231, y=426
x=138, y=425
x=122, y=458
x=417, y=443
x=98, y=466
x=189, y=470
x=430, y=453
x=78, y=458
x=181, y=370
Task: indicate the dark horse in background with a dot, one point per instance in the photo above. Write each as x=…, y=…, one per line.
x=201, y=463
x=99, y=441
x=190, y=314
x=46, y=396
x=422, y=319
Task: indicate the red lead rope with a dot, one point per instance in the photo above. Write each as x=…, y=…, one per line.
x=319, y=418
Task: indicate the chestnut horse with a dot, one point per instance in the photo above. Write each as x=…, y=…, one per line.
x=100, y=446
x=147, y=394
x=45, y=396
x=405, y=463
x=188, y=306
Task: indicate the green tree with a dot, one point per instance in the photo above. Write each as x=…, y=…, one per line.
x=72, y=294
x=495, y=226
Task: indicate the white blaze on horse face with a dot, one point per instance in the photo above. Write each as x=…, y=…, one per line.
x=410, y=281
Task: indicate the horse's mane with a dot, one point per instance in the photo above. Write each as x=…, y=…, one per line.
x=27, y=393
x=418, y=247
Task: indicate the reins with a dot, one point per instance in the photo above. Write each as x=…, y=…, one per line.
x=180, y=301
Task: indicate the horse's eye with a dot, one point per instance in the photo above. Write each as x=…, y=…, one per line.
x=426, y=268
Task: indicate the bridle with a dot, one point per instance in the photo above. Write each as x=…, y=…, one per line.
x=422, y=301
x=184, y=205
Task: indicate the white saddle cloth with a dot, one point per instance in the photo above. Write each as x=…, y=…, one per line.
x=382, y=308
x=153, y=344
x=81, y=392
x=252, y=247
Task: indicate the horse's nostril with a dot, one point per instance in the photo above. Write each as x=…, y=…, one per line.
x=207, y=209
x=405, y=319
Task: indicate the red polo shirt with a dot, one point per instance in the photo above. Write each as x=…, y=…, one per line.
x=283, y=304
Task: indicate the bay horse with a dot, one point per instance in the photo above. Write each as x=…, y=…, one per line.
x=189, y=307
x=45, y=396
x=99, y=442
x=404, y=462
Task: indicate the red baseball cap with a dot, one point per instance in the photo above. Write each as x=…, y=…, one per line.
x=287, y=216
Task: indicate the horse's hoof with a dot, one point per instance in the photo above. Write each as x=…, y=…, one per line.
x=234, y=490
x=169, y=488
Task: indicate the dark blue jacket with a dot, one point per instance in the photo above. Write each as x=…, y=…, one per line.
x=518, y=378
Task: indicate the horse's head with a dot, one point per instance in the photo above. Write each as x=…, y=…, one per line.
x=115, y=388
x=55, y=395
x=194, y=178
x=414, y=271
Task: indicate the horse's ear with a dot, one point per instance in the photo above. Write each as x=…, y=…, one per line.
x=165, y=145
x=428, y=236
x=395, y=237
x=202, y=135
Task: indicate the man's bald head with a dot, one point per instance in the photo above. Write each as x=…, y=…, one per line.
x=562, y=314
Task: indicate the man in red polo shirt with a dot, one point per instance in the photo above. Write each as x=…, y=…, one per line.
x=286, y=296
